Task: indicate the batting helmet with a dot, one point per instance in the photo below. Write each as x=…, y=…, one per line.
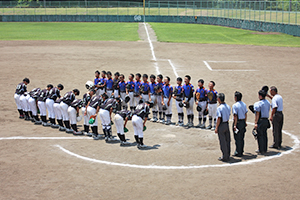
x=127, y=98
x=89, y=85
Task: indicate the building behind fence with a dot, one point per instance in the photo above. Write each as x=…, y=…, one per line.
x=271, y=16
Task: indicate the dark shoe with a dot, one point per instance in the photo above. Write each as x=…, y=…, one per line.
x=209, y=127
x=238, y=154
x=274, y=147
x=22, y=117
x=223, y=160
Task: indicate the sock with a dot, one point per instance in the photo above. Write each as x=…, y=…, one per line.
x=36, y=118
x=210, y=121
x=170, y=117
x=192, y=118
x=160, y=113
x=52, y=120
x=182, y=117
x=154, y=114
x=67, y=124
x=164, y=116
x=95, y=130
x=189, y=118
x=74, y=127
x=86, y=128
x=200, y=120
x=26, y=114
x=215, y=122
x=60, y=122
x=104, y=132
x=109, y=132
x=134, y=108
x=204, y=119
x=44, y=119
x=141, y=141
x=119, y=135
x=30, y=114
x=123, y=138
x=179, y=117
x=20, y=111
x=137, y=139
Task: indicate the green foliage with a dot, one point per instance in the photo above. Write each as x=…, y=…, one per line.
x=69, y=31
x=208, y=34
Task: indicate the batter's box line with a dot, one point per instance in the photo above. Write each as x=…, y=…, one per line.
x=228, y=70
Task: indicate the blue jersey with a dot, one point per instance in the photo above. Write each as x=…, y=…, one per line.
x=167, y=90
x=211, y=96
x=122, y=86
x=152, y=86
x=131, y=85
x=179, y=90
x=161, y=85
x=146, y=87
x=96, y=81
x=109, y=84
x=188, y=90
x=103, y=81
x=137, y=85
x=203, y=94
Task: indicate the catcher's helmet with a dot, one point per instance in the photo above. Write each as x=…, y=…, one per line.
x=199, y=108
x=89, y=85
x=127, y=98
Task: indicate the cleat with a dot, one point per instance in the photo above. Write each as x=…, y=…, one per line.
x=32, y=120
x=77, y=133
x=138, y=146
x=168, y=123
x=27, y=119
x=54, y=126
x=106, y=138
x=153, y=120
x=96, y=137
x=209, y=127
x=21, y=117
x=89, y=134
x=46, y=124
x=142, y=146
x=212, y=129
x=69, y=130
x=61, y=128
x=122, y=143
x=202, y=126
x=38, y=123
x=181, y=124
x=198, y=126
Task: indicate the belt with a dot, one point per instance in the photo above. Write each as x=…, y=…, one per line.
x=212, y=102
x=264, y=118
x=109, y=89
x=202, y=100
x=224, y=122
x=278, y=112
x=146, y=93
x=241, y=120
x=123, y=91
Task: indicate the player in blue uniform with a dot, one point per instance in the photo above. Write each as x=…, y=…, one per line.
x=167, y=100
x=188, y=91
x=136, y=92
x=152, y=85
x=212, y=105
x=109, y=84
x=122, y=91
x=178, y=96
x=201, y=101
x=129, y=91
x=159, y=85
x=145, y=88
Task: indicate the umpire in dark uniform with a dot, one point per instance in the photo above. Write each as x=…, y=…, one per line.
x=262, y=109
x=239, y=111
x=222, y=127
x=276, y=117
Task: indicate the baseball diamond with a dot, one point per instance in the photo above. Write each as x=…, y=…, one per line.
x=146, y=117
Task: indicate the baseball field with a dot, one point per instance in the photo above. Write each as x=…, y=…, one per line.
x=38, y=162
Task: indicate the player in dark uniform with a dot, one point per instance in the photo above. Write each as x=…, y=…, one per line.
x=53, y=94
x=92, y=110
x=42, y=105
x=201, y=101
x=86, y=99
x=188, y=91
x=73, y=112
x=152, y=85
x=212, y=105
x=19, y=94
x=68, y=98
x=120, y=117
x=139, y=120
x=178, y=96
x=109, y=84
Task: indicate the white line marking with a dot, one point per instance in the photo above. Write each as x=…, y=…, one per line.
x=44, y=138
x=296, y=145
x=152, y=49
x=173, y=67
x=235, y=70
x=228, y=61
x=207, y=65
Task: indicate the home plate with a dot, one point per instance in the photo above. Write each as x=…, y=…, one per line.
x=169, y=136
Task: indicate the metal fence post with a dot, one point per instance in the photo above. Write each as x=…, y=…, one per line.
x=296, y=10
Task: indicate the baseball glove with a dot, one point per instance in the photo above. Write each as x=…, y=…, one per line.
x=127, y=98
x=125, y=129
x=198, y=96
x=180, y=104
x=251, y=107
x=199, y=109
x=175, y=91
x=164, y=107
x=92, y=120
x=144, y=128
x=205, y=112
x=254, y=133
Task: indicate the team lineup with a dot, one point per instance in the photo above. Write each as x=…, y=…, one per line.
x=133, y=100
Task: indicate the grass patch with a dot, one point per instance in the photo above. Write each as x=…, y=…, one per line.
x=69, y=31
x=208, y=34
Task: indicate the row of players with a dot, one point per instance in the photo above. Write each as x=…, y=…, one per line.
x=162, y=94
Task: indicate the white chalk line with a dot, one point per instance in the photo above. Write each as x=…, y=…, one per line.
x=279, y=154
x=173, y=67
x=44, y=138
x=228, y=70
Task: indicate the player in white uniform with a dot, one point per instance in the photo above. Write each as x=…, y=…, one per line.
x=178, y=96
x=58, y=115
x=212, y=105
x=139, y=120
x=92, y=110
x=167, y=100
x=19, y=94
x=32, y=102
x=73, y=112
x=120, y=117
x=86, y=99
x=53, y=94
x=42, y=105
x=68, y=98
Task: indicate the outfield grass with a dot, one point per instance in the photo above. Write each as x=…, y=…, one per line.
x=208, y=34
x=69, y=31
